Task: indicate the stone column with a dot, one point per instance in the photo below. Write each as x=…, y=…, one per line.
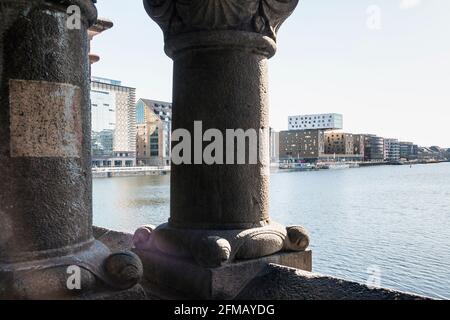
x=45, y=189
x=220, y=212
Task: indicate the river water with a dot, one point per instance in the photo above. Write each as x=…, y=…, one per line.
x=389, y=225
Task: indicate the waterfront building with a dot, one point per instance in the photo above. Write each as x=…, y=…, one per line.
x=391, y=150
x=327, y=121
x=113, y=116
x=301, y=145
x=358, y=144
x=427, y=154
x=408, y=150
x=274, y=149
x=439, y=152
x=343, y=146
x=338, y=143
x=153, y=132
x=373, y=148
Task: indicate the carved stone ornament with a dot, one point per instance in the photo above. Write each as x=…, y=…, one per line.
x=213, y=248
x=181, y=16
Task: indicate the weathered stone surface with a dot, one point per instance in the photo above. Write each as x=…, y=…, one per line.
x=214, y=247
x=45, y=194
x=219, y=213
x=225, y=89
x=116, y=241
x=183, y=278
x=220, y=78
x=276, y=282
x=45, y=119
x=135, y=293
x=45, y=202
x=259, y=16
x=124, y=269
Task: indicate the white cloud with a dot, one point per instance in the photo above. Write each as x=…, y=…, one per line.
x=408, y=4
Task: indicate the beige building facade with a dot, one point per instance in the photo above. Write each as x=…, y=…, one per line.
x=153, y=132
x=113, y=122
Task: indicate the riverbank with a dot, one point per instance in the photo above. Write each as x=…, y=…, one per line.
x=110, y=172
x=348, y=165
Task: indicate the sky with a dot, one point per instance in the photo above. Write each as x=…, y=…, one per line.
x=383, y=64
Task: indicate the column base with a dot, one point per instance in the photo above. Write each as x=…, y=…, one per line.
x=213, y=248
x=216, y=264
x=183, y=278
x=89, y=271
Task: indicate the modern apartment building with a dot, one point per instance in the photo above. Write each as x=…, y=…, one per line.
x=408, y=151
x=154, y=127
x=327, y=121
x=301, y=145
x=113, y=128
x=338, y=143
x=373, y=148
x=391, y=150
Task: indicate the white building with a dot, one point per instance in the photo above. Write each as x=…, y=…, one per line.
x=391, y=150
x=113, y=113
x=274, y=147
x=316, y=121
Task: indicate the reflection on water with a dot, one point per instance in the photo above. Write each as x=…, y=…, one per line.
x=395, y=218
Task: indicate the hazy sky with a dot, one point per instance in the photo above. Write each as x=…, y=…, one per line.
x=387, y=76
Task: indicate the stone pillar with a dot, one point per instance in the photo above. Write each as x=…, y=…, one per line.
x=220, y=212
x=220, y=78
x=45, y=189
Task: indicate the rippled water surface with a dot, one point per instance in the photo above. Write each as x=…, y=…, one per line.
x=391, y=219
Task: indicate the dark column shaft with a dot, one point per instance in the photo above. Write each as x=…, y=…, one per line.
x=45, y=190
x=225, y=89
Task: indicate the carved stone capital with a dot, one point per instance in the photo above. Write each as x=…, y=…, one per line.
x=177, y=17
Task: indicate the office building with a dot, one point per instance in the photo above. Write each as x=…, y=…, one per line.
x=113, y=128
x=154, y=127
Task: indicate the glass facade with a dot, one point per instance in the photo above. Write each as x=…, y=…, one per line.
x=113, y=126
x=140, y=112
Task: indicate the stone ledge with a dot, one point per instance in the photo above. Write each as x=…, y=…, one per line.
x=116, y=241
x=135, y=293
x=277, y=282
x=185, y=278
